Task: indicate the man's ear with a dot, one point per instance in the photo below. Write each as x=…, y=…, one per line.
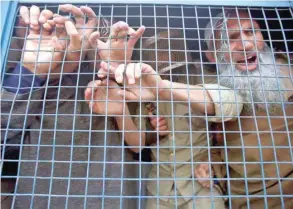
x=210, y=55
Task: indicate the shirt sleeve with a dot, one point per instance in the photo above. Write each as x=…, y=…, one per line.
x=20, y=80
x=141, y=120
x=228, y=104
x=140, y=116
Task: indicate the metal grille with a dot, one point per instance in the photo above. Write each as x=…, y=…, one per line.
x=226, y=99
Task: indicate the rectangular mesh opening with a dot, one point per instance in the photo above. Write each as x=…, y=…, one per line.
x=207, y=124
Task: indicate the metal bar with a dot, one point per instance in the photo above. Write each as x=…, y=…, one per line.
x=172, y=110
x=91, y=121
x=268, y=113
x=187, y=2
x=10, y=113
x=106, y=119
x=27, y=108
x=123, y=121
x=8, y=17
x=254, y=111
x=171, y=178
x=221, y=102
x=189, y=107
x=40, y=134
x=157, y=104
x=165, y=12
x=55, y=125
x=140, y=189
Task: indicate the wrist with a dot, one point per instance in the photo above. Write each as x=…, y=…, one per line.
x=164, y=88
x=29, y=67
x=22, y=80
x=34, y=70
x=42, y=74
x=124, y=113
x=115, y=63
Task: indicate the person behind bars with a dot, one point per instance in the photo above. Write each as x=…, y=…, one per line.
x=246, y=64
x=67, y=159
x=254, y=161
x=181, y=141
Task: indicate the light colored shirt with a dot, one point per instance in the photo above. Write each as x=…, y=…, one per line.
x=187, y=143
x=258, y=152
x=259, y=155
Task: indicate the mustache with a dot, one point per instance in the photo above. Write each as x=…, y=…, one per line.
x=242, y=56
x=262, y=88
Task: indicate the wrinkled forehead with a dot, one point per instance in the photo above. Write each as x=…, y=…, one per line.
x=235, y=19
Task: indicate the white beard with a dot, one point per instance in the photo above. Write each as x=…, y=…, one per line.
x=260, y=88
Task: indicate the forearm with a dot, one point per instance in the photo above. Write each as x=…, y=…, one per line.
x=21, y=95
x=199, y=98
x=132, y=135
x=22, y=81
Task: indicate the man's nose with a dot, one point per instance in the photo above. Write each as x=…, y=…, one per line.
x=246, y=43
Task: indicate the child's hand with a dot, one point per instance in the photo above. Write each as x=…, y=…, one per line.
x=103, y=97
x=118, y=48
x=159, y=124
x=203, y=171
x=140, y=80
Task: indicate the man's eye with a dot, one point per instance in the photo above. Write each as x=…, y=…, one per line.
x=249, y=32
x=233, y=37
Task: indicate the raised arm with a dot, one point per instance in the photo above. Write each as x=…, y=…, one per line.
x=144, y=84
x=103, y=98
x=116, y=49
x=22, y=92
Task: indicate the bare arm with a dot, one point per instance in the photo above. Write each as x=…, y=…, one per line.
x=96, y=94
x=166, y=90
x=132, y=135
x=199, y=98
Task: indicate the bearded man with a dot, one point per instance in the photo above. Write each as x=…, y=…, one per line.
x=252, y=101
x=260, y=161
x=257, y=147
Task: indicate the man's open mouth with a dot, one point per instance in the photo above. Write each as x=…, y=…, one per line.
x=250, y=63
x=250, y=59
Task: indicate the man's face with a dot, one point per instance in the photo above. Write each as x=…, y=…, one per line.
x=245, y=39
x=253, y=73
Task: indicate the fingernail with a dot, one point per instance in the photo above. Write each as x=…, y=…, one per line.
x=42, y=19
x=131, y=81
x=34, y=22
x=119, y=79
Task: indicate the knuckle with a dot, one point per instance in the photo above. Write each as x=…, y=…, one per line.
x=119, y=22
x=24, y=9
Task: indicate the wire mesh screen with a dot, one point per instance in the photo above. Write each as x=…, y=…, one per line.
x=148, y=106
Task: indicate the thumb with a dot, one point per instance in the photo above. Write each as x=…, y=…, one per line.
x=145, y=68
x=205, y=167
x=104, y=70
x=134, y=36
x=107, y=67
x=127, y=95
x=153, y=121
x=94, y=39
x=90, y=90
x=75, y=39
x=151, y=115
x=56, y=43
x=102, y=73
